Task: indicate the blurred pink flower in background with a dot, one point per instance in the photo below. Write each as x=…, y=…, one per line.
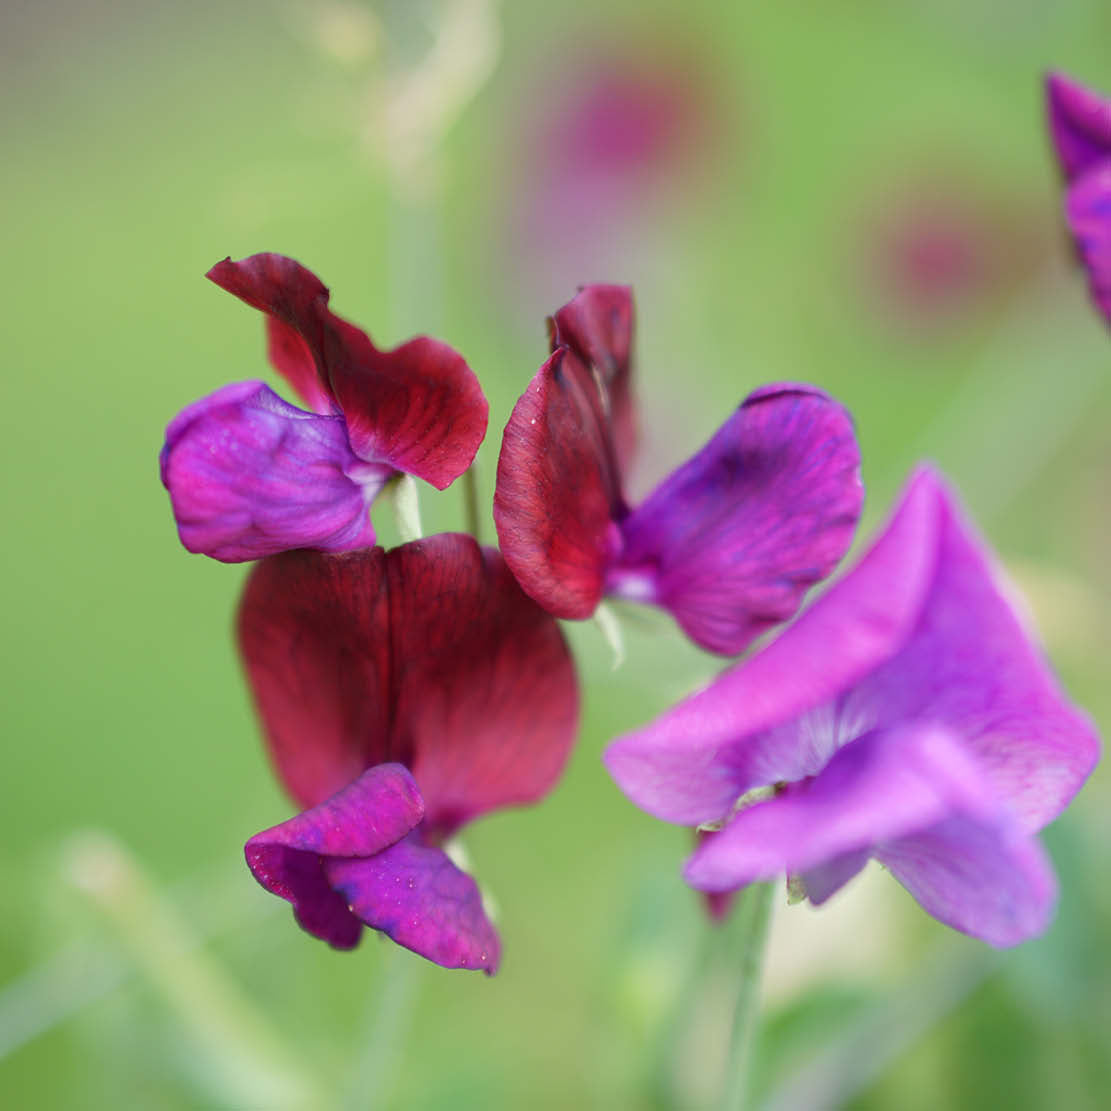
x=622, y=142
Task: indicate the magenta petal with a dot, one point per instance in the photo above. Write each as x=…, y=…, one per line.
x=415, y=895
x=250, y=475
x=881, y=786
x=367, y=816
x=693, y=762
x=418, y=409
x=558, y=489
x=597, y=325
x=1088, y=211
x=732, y=540
x=988, y=879
x=1079, y=124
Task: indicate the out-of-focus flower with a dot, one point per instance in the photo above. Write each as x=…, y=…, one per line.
x=942, y=247
x=250, y=475
x=1080, y=127
x=620, y=143
x=728, y=543
x=402, y=694
x=906, y=716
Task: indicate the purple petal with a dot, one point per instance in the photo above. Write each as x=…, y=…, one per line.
x=733, y=539
x=988, y=879
x=1088, y=212
x=1079, y=124
x=250, y=475
x=693, y=762
x=881, y=786
x=415, y=895
x=918, y=630
x=824, y=880
x=367, y=816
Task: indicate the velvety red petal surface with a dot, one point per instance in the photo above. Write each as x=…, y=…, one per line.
x=367, y=816
x=1079, y=124
x=731, y=541
x=598, y=326
x=429, y=655
x=415, y=895
x=418, y=408
x=558, y=489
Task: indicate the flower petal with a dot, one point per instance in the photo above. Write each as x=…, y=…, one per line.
x=558, y=489
x=250, y=475
x=988, y=879
x=732, y=540
x=418, y=408
x=486, y=697
x=1079, y=124
x=597, y=324
x=883, y=785
x=1088, y=211
x=414, y=894
x=313, y=633
x=367, y=816
x=429, y=655
x=693, y=762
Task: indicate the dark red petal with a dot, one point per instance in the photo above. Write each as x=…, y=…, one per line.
x=312, y=631
x=429, y=655
x=290, y=356
x=415, y=895
x=487, y=699
x=558, y=490
x=418, y=408
x=598, y=325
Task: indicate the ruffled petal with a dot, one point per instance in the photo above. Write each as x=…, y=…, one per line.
x=367, y=816
x=1088, y=212
x=250, y=475
x=971, y=665
x=732, y=540
x=985, y=878
x=881, y=786
x=598, y=325
x=1079, y=124
x=558, y=490
x=418, y=408
x=692, y=763
x=313, y=633
x=429, y=655
x=486, y=698
x=415, y=895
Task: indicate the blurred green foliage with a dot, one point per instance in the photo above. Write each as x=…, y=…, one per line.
x=144, y=140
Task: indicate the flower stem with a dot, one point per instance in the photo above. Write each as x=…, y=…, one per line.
x=753, y=916
x=470, y=503
x=406, y=508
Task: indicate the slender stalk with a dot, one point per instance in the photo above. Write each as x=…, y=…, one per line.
x=470, y=503
x=406, y=508
x=751, y=937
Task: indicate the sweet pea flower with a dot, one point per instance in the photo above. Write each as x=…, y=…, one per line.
x=402, y=693
x=728, y=543
x=906, y=716
x=1080, y=127
x=250, y=475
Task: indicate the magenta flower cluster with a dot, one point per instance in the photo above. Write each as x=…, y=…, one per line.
x=907, y=715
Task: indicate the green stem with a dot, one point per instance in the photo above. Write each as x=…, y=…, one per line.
x=751, y=937
x=470, y=503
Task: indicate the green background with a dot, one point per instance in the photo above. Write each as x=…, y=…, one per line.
x=143, y=142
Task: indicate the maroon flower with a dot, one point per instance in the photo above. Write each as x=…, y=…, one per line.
x=402, y=694
x=728, y=543
x=250, y=475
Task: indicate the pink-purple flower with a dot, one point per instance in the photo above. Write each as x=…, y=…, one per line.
x=402, y=694
x=250, y=475
x=906, y=716
x=728, y=543
x=1080, y=127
